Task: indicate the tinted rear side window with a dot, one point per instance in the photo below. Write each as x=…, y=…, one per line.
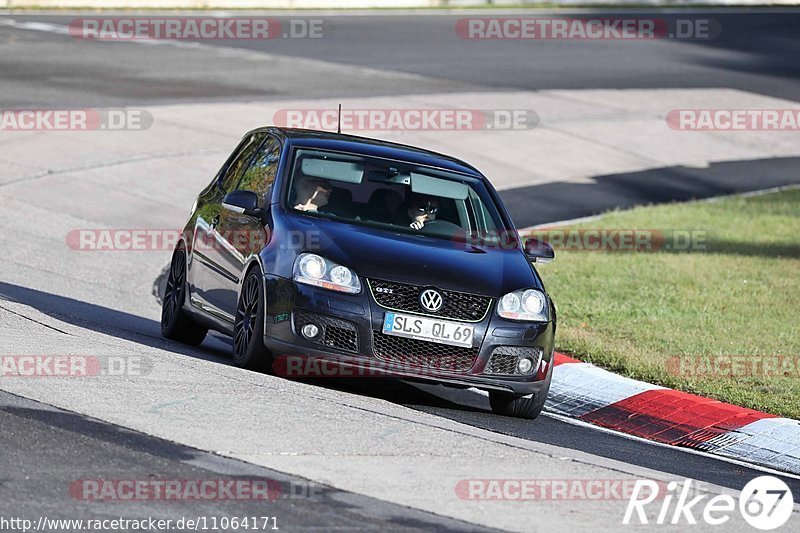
x=260, y=174
x=241, y=160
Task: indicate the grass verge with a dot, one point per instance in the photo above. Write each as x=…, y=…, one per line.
x=721, y=319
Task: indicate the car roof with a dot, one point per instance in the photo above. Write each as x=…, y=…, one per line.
x=373, y=147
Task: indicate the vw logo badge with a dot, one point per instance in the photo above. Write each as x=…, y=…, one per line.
x=431, y=300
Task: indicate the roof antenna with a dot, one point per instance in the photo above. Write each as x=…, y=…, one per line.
x=339, y=124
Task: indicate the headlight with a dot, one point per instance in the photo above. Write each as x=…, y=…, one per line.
x=524, y=304
x=312, y=266
x=312, y=269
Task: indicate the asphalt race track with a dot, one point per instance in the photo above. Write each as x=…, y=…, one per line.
x=753, y=51
x=359, y=454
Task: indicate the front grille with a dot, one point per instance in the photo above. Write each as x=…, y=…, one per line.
x=405, y=297
x=415, y=353
x=504, y=359
x=335, y=333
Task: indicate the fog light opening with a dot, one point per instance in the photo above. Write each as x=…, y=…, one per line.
x=310, y=331
x=524, y=365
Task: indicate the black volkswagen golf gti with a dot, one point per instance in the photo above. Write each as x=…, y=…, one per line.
x=361, y=253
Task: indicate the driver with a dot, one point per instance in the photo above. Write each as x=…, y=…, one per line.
x=421, y=210
x=311, y=193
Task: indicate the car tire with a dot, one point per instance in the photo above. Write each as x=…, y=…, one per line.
x=176, y=324
x=506, y=404
x=517, y=406
x=248, y=340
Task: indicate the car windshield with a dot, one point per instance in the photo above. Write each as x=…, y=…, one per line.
x=392, y=195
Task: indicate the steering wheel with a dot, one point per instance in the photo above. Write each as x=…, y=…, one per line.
x=441, y=227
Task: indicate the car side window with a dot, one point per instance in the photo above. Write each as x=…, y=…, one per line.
x=239, y=163
x=483, y=219
x=260, y=175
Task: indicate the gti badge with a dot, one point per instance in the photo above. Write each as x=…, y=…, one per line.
x=431, y=300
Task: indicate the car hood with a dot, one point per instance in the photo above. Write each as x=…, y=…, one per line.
x=417, y=259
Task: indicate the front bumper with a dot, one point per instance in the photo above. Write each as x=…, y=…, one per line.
x=354, y=353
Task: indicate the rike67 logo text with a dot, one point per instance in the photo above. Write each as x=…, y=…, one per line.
x=765, y=503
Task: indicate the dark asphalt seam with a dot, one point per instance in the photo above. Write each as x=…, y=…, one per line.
x=34, y=320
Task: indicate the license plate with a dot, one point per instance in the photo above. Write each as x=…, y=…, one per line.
x=428, y=329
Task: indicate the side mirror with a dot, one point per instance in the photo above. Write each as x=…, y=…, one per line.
x=242, y=202
x=539, y=251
